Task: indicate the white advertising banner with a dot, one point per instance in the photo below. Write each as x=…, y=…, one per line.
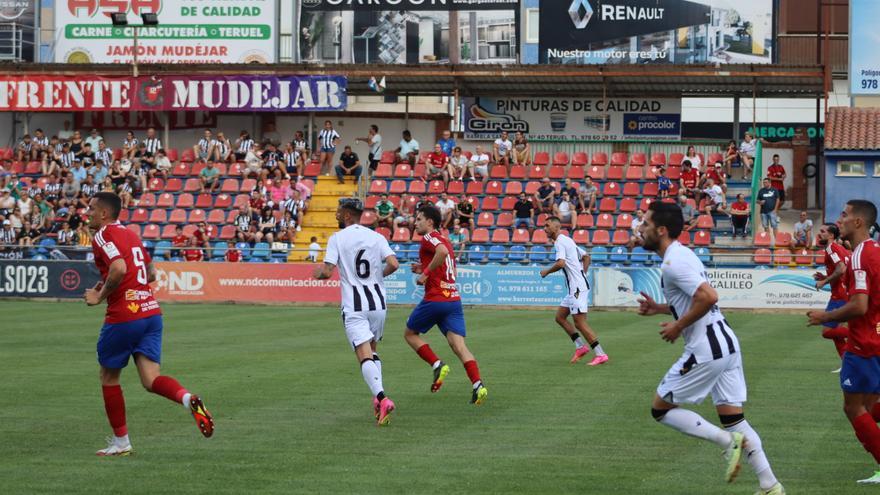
x=189, y=32
x=737, y=288
x=573, y=118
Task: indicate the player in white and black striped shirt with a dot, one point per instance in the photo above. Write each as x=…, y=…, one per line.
x=328, y=139
x=243, y=144
x=152, y=142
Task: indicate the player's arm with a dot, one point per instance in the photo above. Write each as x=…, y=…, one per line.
x=151, y=273
x=839, y=271
x=331, y=257
x=703, y=300
x=102, y=291
x=391, y=265
x=324, y=271
x=555, y=267
x=855, y=307
x=586, y=259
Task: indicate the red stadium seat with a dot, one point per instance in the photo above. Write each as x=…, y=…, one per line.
x=420, y=171
x=383, y=171
x=628, y=205
x=148, y=200
x=397, y=187
x=541, y=159
x=204, y=201
x=705, y=222
x=600, y=159
x=177, y=216
x=498, y=172
x=401, y=235
x=248, y=185
x=624, y=221
x=134, y=228
x=576, y=173
x=455, y=187
x=621, y=237
x=403, y=170
x=585, y=221
x=436, y=187
x=139, y=215
x=501, y=236
x=762, y=256
x=675, y=159
x=490, y=203
x=197, y=216
x=635, y=173
x=192, y=185
x=312, y=169
x=601, y=238
x=169, y=231
x=605, y=221
x=658, y=159
x=581, y=236
x=537, y=172
x=539, y=236
x=230, y=186
x=504, y=219
x=378, y=186
x=715, y=158
x=508, y=203
x=227, y=232
x=560, y=158
x=235, y=169
x=474, y=188
x=651, y=190
x=181, y=170
x=151, y=232
x=156, y=184
x=387, y=157
x=580, y=159
x=197, y=168
x=368, y=217
x=532, y=187
x=518, y=172
x=185, y=201
x=782, y=257
x=223, y=201
x=217, y=217
x=638, y=160
x=557, y=172
x=370, y=201
x=702, y=238
x=123, y=215
x=619, y=159
x=614, y=173
x=520, y=236
x=166, y=200
x=631, y=189
x=384, y=232
x=480, y=235
x=607, y=205
x=805, y=257
x=685, y=238
x=485, y=219
x=596, y=172
x=611, y=189
x=417, y=187
x=783, y=239
x=494, y=188
x=241, y=200
x=763, y=239
x=513, y=188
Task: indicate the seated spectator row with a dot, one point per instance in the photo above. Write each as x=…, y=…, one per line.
x=580, y=158
x=521, y=172
x=510, y=188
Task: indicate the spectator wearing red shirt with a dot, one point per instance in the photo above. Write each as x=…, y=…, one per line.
x=202, y=235
x=233, y=255
x=739, y=215
x=777, y=175
x=689, y=182
x=192, y=253
x=257, y=202
x=438, y=163
x=178, y=242
x=718, y=176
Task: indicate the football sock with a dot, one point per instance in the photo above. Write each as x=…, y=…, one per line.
x=868, y=433
x=473, y=372
x=372, y=376
x=122, y=441
x=428, y=355
x=755, y=454
x=691, y=423
x=875, y=412
x=378, y=362
x=169, y=388
x=114, y=405
x=578, y=340
x=185, y=401
x=597, y=348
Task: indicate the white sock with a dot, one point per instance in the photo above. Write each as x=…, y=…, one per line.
x=755, y=454
x=122, y=441
x=185, y=400
x=691, y=423
x=436, y=364
x=372, y=376
x=378, y=362
x=598, y=350
x=579, y=342
x=478, y=384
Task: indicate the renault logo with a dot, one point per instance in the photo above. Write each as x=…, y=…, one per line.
x=580, y=13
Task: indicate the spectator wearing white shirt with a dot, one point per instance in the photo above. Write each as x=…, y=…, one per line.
x=565, y=210
x=716, y=197
x=163, y=165
x=636, y=223
x=202, y=149
x=803, y=232
x=447, y=208
x=104, y=153
x=458, y=165
x=243, y=145
x=479, y=164
x=328, y=139
x=253, y=162
x=502, y=149
x=692, y=156
x=65, y=133
x=408, y=150
x=374, y=141
x=94, y=138
x=747, y=153
x=314, y=250
x=129, y=145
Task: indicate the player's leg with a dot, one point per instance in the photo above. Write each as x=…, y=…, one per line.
x=580, y=322
x=367, y=330
x=580, y=345
x=453, y=327
x=860, y=382
x=422, y=319
x=114, y=350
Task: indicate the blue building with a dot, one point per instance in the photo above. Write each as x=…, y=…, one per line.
x=852, y=157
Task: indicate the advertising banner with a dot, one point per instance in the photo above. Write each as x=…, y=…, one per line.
x=125, y=120
x=173, y=93
x=189, y=32
x=736, y=287
x=503, y=285
x=656, y=31
x=21, y=13
x=61, y=279
x=573, y=118
x=864, y=58
x=366, y=5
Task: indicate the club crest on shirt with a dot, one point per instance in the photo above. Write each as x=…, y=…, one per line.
x=861, y=279
x=133, y=307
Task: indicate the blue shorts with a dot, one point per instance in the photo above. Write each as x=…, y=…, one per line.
x=325, y=149
x=118, y=341
x=449, y=316
x=860, y=375
x=832, y=305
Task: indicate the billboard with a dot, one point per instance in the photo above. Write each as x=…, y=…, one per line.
x=61, y=279
x=412, y=5
x=21, y=14
x=864, y=58
x=656, y=31
x=573, y=118
x=189, y=32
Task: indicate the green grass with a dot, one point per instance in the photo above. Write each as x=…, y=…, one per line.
x=294, y=416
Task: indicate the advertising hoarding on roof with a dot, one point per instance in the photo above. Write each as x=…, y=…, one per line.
x=864, y=58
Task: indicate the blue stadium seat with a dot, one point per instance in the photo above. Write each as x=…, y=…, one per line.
x=412, y=252
x=161, y=249
x=640, y=255
x=219, y=251
x=477, y=254
x=245, y=249
x=38, y=257
x=619, y=255
x=517, y=254
x=261, y=252
x=46, y=245
x=703, y=254
x=599, y=255
x=497, y=254
x=656, y=259
x=176, y=259
x=398, y=251
x=538, y=254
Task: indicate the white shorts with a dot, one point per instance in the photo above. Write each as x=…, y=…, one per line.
x=364, y=326
x=577, y=305
x=723, y=378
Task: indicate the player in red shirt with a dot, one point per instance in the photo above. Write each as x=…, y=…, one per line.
x=441, y=304
x=836, y=261
x=133, y=325
x=776, y=172
x=860, y=371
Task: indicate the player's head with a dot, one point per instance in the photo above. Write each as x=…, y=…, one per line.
x=104, y=208
x=856, y=219
x=552, y=226
x=428, y=219
x=662, y=225
x=828, y=233
x=349, y=212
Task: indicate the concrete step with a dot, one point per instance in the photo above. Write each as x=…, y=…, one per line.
x=324, y=202
x=334, y=187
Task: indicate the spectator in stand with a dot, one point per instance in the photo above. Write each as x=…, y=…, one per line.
x=314, y=250
x=76, y=142
x=689, y=181
x=522, y=150
x=69, y=190
x=524, y=213
x=664, y=185
x=768, y=198
x=739, y=216
x=7, y=202
x=86, y=190
x=565, y=210
x=716, y=202
x=692, y=156
x=86, y=155
x=423, y=202
x=278, y=192
x=202, y=149
x=747, y=151
x=447, y=210
x=328, y=139
x=107, y=185
x=300, y=145
x=349, y=164
x=688, y=213
x=178, y=243
x=458, y=240
x=404, y=216
x=257, y=202
x=479, y=164
x=222, y=149
x=267, y=226
x=285, y=229
x=8, y=238
x=587, y=196
x=137, y=180
x=447, y=142
x=192, y=252
x=16, y=218
x=716, y=173
x=253, y=163
x=384, y=213
x=152, y=142
x=65, y=133
x=40, y=143
x=232, y=255
x=202, y=235
x=731, y=156
x=273, y=162
x=293, y=164
x=545, y=197
x=437, y=164
x=571, y=190
x=464, y=212
x=374, y=141
x=458, y=165
x=27, y=235
x=163, y=165
x=66, y=236
x=243, y=222
x=145, y=159
x=94, y=138
x=408, y=150
x=48, y=228
x=83, y=236
x=243, y=145
x=803, y=231
x=635, y=232
x=777, y=175
x=103, y=153
x=129, y=145
x=209, y=178
x=296, y=206
x=501, y=150
x=25, y=149
x=60, y=161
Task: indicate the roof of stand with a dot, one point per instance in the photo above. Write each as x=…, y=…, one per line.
x=852, y=129
x=762, y=81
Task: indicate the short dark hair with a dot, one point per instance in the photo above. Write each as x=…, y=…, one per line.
x=374, y=127
x=832, y=229
x=407, y=133
x=553, y=219
x=111, y=201
x=432, y=213
x=864, y=209
x=667, y=215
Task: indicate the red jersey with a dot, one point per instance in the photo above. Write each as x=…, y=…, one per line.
x=440, y=286
x=776, y=173
x=739, y=206
x=438, y=158
x=133, y=299
x=179, y=240
x=233, y=255
x=689, y=178
x=863, y=277
x=834, y=254
x=715, y=176
x=192, y=254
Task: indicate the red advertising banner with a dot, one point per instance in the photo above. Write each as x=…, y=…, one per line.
x=243, y=282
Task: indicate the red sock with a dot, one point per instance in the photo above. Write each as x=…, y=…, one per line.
x=427, y=354
x=875, y=412
x=169, y=388
x=838, y=332
x=868, y=433
x=473, y=371
x=114, y=404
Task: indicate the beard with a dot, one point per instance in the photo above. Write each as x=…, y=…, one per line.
x=650, y=244
x=823, y=242
x=341, y=225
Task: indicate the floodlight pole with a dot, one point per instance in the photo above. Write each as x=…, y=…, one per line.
x=134, y=68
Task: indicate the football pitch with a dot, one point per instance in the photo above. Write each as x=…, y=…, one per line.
x=294, y=416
